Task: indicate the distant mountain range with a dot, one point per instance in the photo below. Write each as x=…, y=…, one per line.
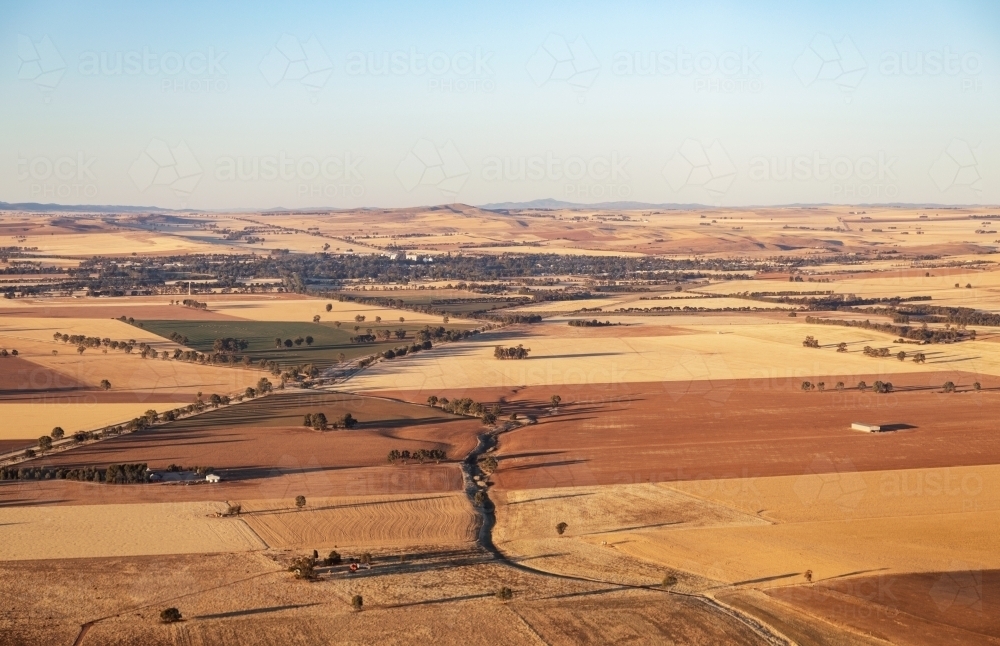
x=35, y=207
x=547, y=203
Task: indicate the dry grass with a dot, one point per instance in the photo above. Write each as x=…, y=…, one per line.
x=303, y=310
x=91, y=531
x=37, y=419
x=366, y=522
x=717, y=348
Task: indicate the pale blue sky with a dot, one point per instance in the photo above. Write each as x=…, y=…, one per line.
x=774, y=103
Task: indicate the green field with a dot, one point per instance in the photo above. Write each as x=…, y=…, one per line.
x=329, y=341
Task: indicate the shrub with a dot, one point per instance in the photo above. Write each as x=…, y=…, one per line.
x=333, y=558
x=300, y=501
x=561, y=528
x=505, y=594
x=669, y=581
x=170, y=615
x=357, y=602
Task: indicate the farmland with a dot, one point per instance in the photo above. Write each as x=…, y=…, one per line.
x=668, y=457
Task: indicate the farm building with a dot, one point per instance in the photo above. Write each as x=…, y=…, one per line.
x=867, y=428
x=212, y=478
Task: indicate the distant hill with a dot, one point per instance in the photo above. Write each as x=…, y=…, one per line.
x=35, y=207
x=549, y=203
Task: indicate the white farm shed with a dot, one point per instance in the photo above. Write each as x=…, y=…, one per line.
x=212, y=478
x=867, y=428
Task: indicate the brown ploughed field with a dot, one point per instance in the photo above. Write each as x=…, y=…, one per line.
x=923, y=609
x=262, y=451
x=657, y=432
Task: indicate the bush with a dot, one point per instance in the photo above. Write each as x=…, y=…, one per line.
x=300, y=501
x=504, y=594
x=170, y=615
x=561, y=528
x=357, y=602
x=334, y=558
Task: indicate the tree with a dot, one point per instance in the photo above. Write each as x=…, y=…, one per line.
x=919, y=358
x=319, y=422
x=862, y=386
x=976, y=386
x=561, y=528
x=949, y=387
x=329, y=307
x=366, y=558
x=555, y=399
x=105, y=384
x=300, y=501
x=402, y=320
x=359, y=318
x=505, y=594
x=432, y=400
x=489, y=419
x=810, y=342
x=303, y=567
x=336, y=324
x=357, y=602
x=299, y=340
x=309, y=340
x=316, y=319
x=841, y=347
x=806, y=386
x=170, y=615
x=29, y=453
x=80, y=349
x=264, y=385
x=669, y=581
x=44, y=443
x=277, y=342
x=808, y=574
x=307, y=420
x=57, y=433
x=901, y=355
x=288, y=343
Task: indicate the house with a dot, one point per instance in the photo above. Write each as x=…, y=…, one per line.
x=213, y=478
x=867, y=428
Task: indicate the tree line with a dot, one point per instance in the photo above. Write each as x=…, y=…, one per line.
x=591, y=323
x=518, y=352
x=923, y=333
x=112, y=474
x=318, y=422
x=420, y=456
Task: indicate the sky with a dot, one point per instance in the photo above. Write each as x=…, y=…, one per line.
x=215, y=105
